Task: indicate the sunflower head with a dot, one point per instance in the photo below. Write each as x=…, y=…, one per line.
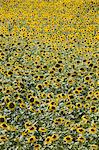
x=48, y=140
x=93, y=109
x=55, y=137
x=31, y=129
x=11, y=106
x=42, y=129
x=3, y=138
x=92, y=130
x=80, y=130
x=37, y=146
x=81, y=139
x=68, y=139
x=93, y=147
x=2, y=119
x=32, y=139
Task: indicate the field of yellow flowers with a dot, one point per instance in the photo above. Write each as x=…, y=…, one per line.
x=49, y=87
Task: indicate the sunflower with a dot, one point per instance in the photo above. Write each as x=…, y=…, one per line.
x=42, y=129
x=3, y=138
x=93, y=109
x=31, y=99
x=32, y=139
x=31, y=129
x=80, y=130
x=55, y=137
x=81, y=139
x=86, y=106
x=37, y=146
x=93, y=147
x=96, y=94
x=70, y=96
x=63, y=95
x=11, y=106
x=87, y=78
x=92, y=130
x=56, y=123
x=78, y=105
x=28, y=124
x=48, y=140
x=2, y=119
x=68, y=139
x=52, y=107
x=4, y=126
x=79, y=89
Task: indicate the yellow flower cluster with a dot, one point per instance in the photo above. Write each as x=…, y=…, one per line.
x=49, y=98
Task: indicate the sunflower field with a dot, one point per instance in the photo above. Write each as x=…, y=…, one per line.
x=49, y=69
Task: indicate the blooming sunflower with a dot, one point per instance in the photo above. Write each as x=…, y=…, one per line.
x=80, y=130
x=55, y=137
x=48, y=140
x=81, y=139
x=37, y=146
x=31, y=129
x=11, y=106
x=2, y=119
x=32, y=139
x=92, y=130
x=42, y=129
x=3, y=138
x=68, y=139
x=93, y=147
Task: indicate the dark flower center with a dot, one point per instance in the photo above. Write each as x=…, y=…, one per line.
x=54, y=136
x=31, y=139
x=1, y=119
x=68, y=138
x=32, y=100
x=11, y=105
x=4, y=125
